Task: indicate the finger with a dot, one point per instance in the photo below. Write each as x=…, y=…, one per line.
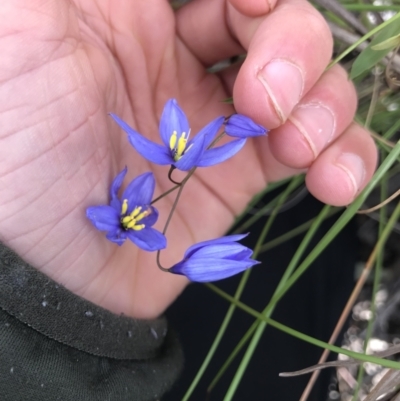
x=253, y=8
x=287, y=54
x=342, y=170
x=202, y=26
x=288, y=50
x=228, y=76
x=322, y=115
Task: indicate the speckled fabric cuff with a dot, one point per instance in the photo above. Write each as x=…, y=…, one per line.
x=55, y=345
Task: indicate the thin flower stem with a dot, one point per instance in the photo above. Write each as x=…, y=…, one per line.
x=178, y=195
x=165, y=194
x=179, y=185
x=172, y=168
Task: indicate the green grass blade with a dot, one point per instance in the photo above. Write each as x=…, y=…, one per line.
x=318, y=343
x=365, y=37
x=271, y=306
x=376, y=50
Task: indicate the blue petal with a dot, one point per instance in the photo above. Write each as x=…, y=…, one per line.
x=140, y=191
x=205, y=270
x=117, y=236
x=243, y=127
x=115, y=186
x=208, y=132
x=104, y=218
x=244, y=254
x=151, y=151
x=172, y=119
x=148, y=239
x=221, y=153
x=151, y=218
x=191, y=157
x=221, y=240
x=232, y=251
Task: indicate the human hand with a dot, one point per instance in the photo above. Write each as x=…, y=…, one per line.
x=66, y=64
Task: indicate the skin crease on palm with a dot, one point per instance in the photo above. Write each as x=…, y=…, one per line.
x=66, y=64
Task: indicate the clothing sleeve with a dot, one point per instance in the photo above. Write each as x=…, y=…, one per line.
x=55, y=345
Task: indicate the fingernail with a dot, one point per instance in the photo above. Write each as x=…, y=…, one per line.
x=316, y=123
x=284, y=84
x=354, y=167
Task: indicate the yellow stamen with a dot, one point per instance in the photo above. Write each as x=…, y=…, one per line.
x=124, y=206
x=142, y=215
x=181, y=146
x=138, y=227
x=135, y=211
x=131, y=224
x=172, y=140
x=130, y=221
x=125, y=220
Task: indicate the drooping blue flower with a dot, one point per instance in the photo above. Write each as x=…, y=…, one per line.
x=132, y=216
x=215, y=259
x=177, y=150
x=241, y=126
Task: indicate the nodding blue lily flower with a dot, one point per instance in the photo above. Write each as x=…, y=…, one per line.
x=241, y=126
x=215, y=259
x=132, y=216
x=177, y=150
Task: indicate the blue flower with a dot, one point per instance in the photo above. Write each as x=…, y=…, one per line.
x=215, y=259
x=131, y=217
x=243, y=127
x=177, y=150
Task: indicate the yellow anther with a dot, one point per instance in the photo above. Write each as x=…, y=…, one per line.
x=138, y=227
x=142, y=215
x=124, y=206
x=125, y=220
x=172, y=140
x=131, y=224
x=181, y=145
x=135, y=211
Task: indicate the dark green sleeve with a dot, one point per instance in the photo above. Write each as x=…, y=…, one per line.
x=55, y=345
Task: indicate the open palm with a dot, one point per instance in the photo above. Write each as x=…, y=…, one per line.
x=65, y=65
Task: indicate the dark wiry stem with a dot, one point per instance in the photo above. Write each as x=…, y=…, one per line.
x=178, y=195
x=170, y=176
x=181, y=185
